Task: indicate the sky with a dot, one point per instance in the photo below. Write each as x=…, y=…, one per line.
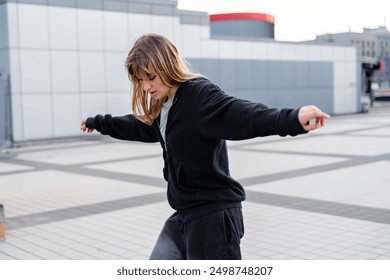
x=301, y=20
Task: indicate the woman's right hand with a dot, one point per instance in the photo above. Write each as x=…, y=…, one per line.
x=83, y=127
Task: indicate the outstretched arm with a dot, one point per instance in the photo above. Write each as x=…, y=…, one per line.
x=226, y=117
x=124, y=127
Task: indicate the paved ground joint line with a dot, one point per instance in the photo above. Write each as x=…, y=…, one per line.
x=83, y=210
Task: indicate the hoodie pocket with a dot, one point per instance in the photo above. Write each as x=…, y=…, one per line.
x=179, y=176
x=233, y=225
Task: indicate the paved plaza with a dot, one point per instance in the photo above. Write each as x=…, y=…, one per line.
x=324, y=195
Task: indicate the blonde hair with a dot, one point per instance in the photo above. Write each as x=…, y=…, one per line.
x=153, y=52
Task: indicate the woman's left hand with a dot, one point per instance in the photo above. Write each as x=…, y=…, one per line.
x=311, y=112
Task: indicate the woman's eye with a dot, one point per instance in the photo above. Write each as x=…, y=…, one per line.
x=152, y=78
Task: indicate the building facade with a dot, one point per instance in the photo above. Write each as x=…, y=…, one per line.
x=372, y=44
x=63, y=60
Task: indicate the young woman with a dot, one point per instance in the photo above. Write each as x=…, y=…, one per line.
x=192, y=118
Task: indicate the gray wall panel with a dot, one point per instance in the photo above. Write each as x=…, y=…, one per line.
x=115, y=6
x=302, y=76
x=273, y=74
x=243, y=71
x=194, y=17
x=63, y=3
x=4, y=33
x=288, y=79
x=242, y=28
x=211, y=69
x=155, y=7
x=142, y=8
x=40, y=2
x=228, y=73
x=259, y=74
x=163, y=10
x=323, y=98
x=195, y=65
x=315, y=75
x=326, y=75
x=90, y=4
x=275, y=83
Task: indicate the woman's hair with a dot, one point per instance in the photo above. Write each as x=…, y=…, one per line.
x=153, y=52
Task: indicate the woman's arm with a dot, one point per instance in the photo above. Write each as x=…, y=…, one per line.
x=125, y=128
x=226, y=117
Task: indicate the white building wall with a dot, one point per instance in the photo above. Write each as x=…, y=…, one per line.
x=66, y=63
x=345, y=80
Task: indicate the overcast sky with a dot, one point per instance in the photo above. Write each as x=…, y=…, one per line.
x=298, y=20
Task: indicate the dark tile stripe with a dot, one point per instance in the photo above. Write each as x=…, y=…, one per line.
x=370, y=214
x=83, y=211
x=312, y=170
x=77, y=169
x=376, y=215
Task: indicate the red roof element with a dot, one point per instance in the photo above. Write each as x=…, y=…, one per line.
x=242, y=16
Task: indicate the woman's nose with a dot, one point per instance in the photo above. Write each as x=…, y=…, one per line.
x=145, y=85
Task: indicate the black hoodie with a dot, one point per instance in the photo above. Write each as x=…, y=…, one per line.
x=201, y=118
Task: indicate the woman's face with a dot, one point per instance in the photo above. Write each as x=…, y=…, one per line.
x=153, y=84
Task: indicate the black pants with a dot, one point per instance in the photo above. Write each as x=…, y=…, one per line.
x=216, y=237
